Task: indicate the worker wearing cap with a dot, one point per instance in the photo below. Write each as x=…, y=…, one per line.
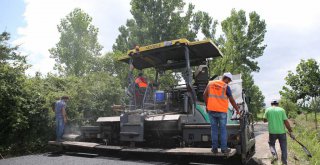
x=61, y=116
x=277, y=121
x=217, y=96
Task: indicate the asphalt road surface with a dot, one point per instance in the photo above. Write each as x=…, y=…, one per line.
x=48, y=159
x=74, y=158
x=82, y=159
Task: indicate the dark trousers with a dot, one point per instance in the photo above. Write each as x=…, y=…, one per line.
x=139, y=97
x=283, y=145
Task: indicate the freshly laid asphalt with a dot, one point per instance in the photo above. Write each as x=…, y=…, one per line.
x=48, y=159
x=92, y=159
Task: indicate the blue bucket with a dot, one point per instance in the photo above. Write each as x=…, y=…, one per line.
x=159, y=96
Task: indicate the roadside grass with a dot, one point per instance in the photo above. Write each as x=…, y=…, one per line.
x=306, y=133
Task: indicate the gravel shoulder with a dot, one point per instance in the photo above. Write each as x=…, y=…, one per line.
x=262, y=147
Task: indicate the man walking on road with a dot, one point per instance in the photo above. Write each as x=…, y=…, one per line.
x=217, y=95
x=61, y=116
x=277, y=121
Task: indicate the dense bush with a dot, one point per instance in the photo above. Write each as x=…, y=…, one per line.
x=23, y=117
x=27, y=120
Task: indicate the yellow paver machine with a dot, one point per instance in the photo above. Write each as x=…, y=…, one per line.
x=171, y=119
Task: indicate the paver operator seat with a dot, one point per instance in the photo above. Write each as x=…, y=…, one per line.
x=201, y=79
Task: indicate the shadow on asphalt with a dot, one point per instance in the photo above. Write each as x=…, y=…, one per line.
x=158, y=159
x=53, y=154
x=79, y=154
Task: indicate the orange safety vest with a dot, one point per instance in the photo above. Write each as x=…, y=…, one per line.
x=141, y=82
x=217, y=99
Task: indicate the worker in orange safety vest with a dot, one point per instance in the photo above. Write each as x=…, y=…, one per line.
x=217, y=96
x=141, y=81
x=141, y=84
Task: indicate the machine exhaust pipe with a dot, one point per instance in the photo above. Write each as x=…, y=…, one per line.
x=185, y=103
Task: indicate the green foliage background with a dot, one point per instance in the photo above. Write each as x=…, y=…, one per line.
x=308, y=136
x=27, y=120
x=301, y=95
x=23, y=114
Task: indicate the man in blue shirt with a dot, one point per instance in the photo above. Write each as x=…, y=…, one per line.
x=217, y=96
x=61, y=116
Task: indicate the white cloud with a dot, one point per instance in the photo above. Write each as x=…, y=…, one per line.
x=42, y=18
x=296, y=14
x=293, y=28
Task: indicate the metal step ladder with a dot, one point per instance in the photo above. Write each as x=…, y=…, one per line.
x=132, y=127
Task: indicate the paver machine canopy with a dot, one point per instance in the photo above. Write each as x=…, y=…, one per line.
x=172, y=55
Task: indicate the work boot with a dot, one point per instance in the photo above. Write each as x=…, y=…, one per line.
x=226, y=151
x=284, y=163
x=274, y=158
x=214, y=150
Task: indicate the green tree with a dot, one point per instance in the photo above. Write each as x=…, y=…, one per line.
x=12, y=119
x=105, y=64
x=78, y=47
x=241, y=43
x=304, y=85
x=290, y=107
x=157, y=20
x=91, y=96
x=254, y=93
x=305, y=82
x=288, y=93
x=23, y=118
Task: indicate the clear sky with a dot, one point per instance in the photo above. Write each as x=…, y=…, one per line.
x=293, y=30
x=11, y=16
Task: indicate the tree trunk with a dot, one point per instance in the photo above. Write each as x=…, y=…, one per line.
x=315, y=118
x=315, y=112
x=307, y=116
x=304, y=105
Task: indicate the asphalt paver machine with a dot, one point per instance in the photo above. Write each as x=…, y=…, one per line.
x=171, y=119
